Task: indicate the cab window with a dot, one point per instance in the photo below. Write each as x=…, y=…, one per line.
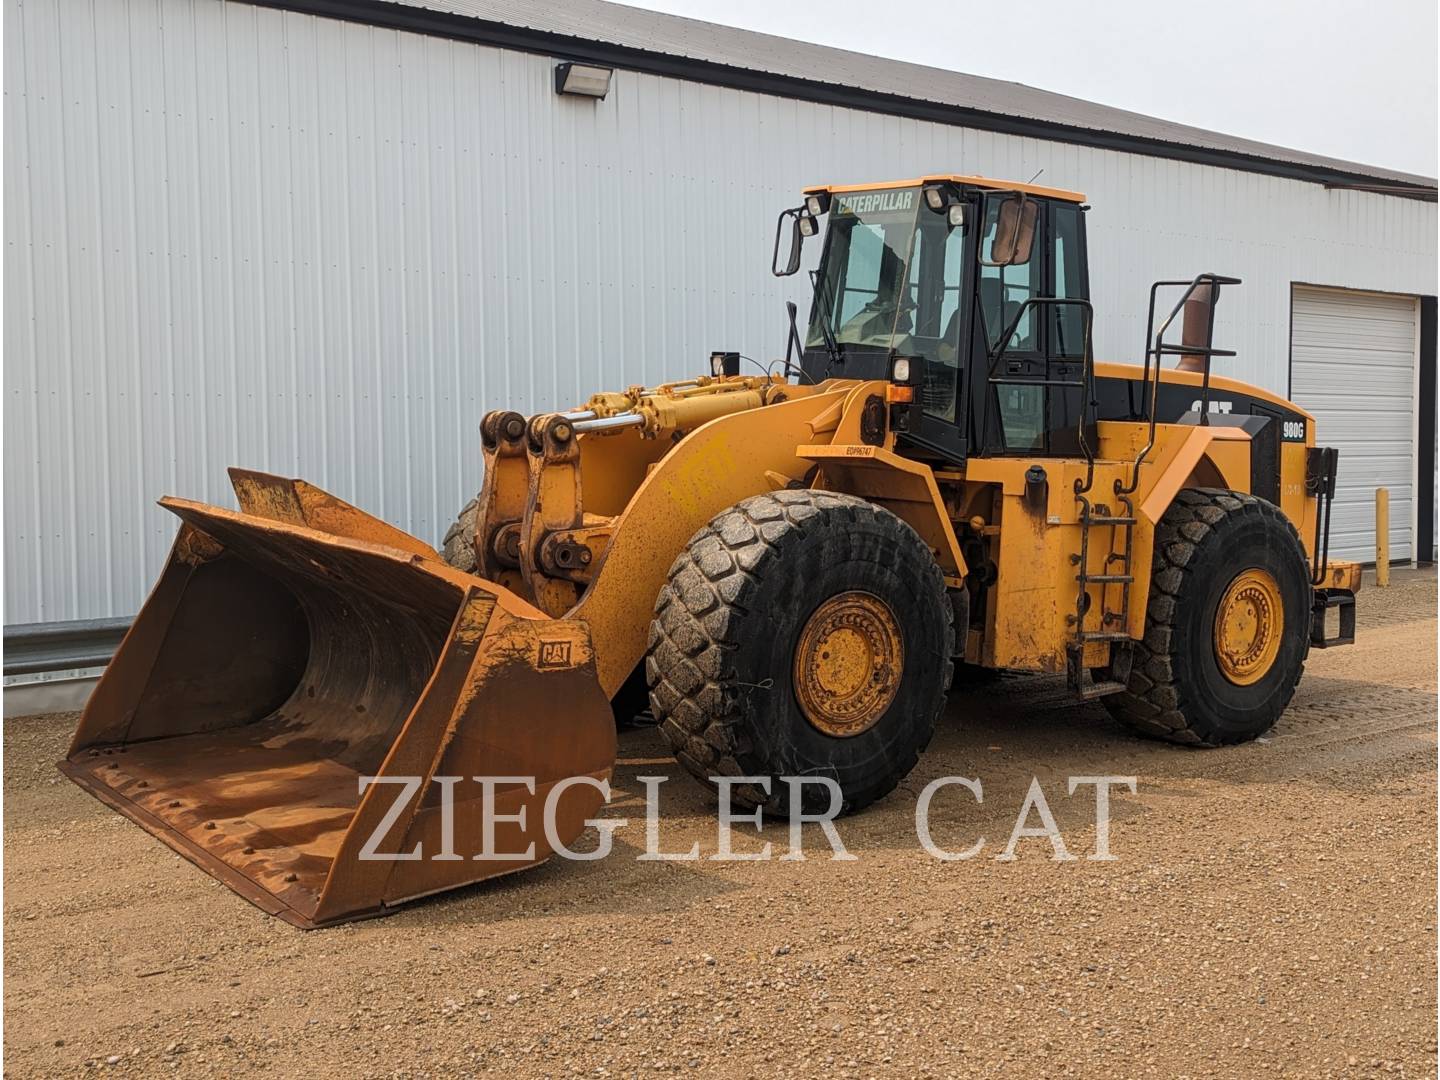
x=1069, y=281
x=862, y=274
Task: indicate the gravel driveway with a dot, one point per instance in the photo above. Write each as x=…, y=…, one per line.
x=1270, y=911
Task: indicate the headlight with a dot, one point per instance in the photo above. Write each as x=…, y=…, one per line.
x=935, y=198
x=900, y=370
x=717, y=364
x=818, y=203
x=807, y=225
x=956, y=215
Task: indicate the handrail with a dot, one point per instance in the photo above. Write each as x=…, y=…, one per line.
x=1320, y=470
x=1159, y=349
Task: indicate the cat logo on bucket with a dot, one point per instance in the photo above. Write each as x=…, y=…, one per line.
x=555, y=654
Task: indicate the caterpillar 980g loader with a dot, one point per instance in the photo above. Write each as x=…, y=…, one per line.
x=795, y=564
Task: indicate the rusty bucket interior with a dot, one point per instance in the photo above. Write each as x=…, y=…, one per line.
x=275, y=666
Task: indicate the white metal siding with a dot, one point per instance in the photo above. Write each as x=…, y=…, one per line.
x=1353, y=359
x=237, y=235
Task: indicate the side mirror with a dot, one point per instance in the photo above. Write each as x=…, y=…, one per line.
x=796, y=215
x=1014, y=232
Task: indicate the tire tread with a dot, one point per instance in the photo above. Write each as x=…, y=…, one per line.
x=458, y=546
x=699, y=617
x=1154, y=703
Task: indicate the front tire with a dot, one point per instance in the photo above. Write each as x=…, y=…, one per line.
x=801, y=633
x=1227, y=626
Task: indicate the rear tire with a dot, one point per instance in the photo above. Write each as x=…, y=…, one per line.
x=849, y=588
x=1213, y=549
x=458, y=547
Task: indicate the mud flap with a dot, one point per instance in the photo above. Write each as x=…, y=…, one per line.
x=291, y=701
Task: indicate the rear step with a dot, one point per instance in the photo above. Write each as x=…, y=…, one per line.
x=1089, y=691
x=1113, y=679
x=1325, y=599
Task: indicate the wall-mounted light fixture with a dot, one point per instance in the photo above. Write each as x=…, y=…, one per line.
x=583, y=80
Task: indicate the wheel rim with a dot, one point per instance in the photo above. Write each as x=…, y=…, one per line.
x=1249, y=626
x=848, y=663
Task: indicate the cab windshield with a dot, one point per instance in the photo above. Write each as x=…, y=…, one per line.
x=863, y=273
x=890, y=279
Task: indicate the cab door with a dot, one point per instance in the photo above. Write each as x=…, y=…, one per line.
x=938, y=310
x=1029, y=353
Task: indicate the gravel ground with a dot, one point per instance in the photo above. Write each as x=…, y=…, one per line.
x=1271, y=911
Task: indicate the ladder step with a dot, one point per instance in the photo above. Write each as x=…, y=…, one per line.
x=1108, y=521
x=1105, y=579
x=1091, y=691
x=1104, y=635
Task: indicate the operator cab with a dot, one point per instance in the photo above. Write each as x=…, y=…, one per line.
x=979, y=286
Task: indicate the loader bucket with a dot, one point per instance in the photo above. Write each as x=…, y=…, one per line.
x=288, y=703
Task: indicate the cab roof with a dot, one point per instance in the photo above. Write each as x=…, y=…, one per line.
x=969, y=181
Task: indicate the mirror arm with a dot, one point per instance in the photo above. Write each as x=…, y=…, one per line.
x=793, y=345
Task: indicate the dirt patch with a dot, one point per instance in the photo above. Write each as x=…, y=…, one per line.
x=1271, y=911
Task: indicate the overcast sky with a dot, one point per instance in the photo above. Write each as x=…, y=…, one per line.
x=1353, y=80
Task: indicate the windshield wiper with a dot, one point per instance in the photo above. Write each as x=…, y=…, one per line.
x=832, y=348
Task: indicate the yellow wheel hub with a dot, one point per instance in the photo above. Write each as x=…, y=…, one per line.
x=1249, y=626
x=848, y=663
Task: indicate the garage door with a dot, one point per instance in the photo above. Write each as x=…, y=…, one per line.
x=1352, y=358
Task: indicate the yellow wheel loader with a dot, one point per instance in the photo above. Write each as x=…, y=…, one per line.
x=790, y=567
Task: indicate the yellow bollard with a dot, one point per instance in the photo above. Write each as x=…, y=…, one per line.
x=1382, y=537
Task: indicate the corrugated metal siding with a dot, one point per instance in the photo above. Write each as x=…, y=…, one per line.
x=243, y=236
x=732, y=49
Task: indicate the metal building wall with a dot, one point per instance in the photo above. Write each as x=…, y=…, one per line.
x=242, y=236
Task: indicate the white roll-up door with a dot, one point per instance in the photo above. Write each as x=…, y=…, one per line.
x=1352, y=357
